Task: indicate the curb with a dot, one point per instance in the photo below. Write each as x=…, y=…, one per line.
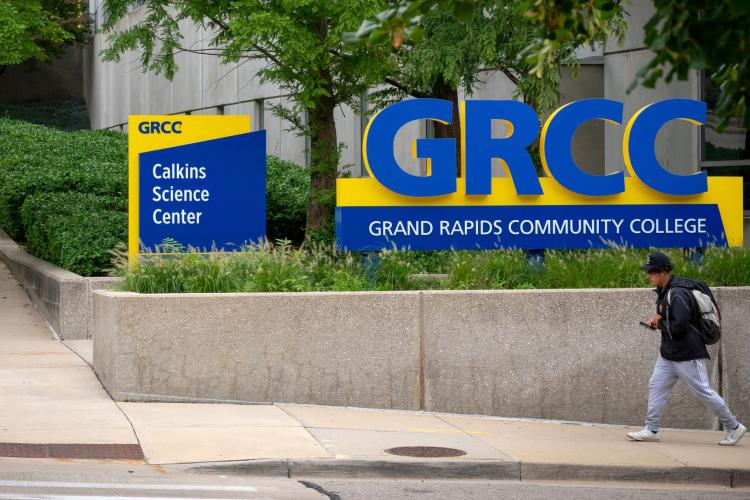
x=354, y=468
x=478, y=469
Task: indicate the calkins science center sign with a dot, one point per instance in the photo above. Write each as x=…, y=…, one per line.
x=199, y=181
x=569, y=208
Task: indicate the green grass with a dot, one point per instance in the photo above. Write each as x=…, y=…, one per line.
x=283, y=268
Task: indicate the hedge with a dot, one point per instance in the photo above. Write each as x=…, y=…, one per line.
x=36, y=159
x=41, y=215
x=83, y=241
x=64, y=193
x=287, y=192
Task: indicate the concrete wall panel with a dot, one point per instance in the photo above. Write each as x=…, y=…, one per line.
x=160, y=95
x=349, y=133
x=638, y=14
x=588, y=140
x=219, y=81
x=735, y=346
x=350, y=349
x=249, y=83
x=571, y=355
x=187, y=83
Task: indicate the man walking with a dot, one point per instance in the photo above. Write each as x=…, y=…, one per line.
x=682, y=355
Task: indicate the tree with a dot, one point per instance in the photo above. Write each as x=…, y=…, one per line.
x=301, y=43
x=684, y=35
x=452, y=48
x=38, y=30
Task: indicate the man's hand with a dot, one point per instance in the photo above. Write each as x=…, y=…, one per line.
x=654, y=322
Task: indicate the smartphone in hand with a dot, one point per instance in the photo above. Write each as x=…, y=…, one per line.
x=646, y=325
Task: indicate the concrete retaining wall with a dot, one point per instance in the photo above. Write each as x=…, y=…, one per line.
x=333, y=349
x=553, y=354
x=64, y=299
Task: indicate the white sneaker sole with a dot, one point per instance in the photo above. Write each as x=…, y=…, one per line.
x=732, y=443
x=643, y=440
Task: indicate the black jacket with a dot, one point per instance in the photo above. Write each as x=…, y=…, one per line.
x=680, y=340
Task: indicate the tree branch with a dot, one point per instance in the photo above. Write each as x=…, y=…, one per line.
x=266, y=53
x=413, y=93
x=513, y=78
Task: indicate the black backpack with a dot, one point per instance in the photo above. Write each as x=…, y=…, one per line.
x=706, y=315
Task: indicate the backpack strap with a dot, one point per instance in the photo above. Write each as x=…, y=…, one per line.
x=694, y=309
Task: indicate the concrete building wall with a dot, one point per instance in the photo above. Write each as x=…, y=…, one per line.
x=677, y=145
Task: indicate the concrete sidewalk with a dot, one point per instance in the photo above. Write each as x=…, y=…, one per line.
x=51, y=396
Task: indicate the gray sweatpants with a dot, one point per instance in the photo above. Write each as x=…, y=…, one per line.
x=693, y=373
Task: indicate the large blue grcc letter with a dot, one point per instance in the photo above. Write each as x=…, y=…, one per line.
x=557, y=138
x=480, y=147
x=638, y=145
x=381, y=162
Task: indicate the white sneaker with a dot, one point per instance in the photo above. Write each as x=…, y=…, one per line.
x=643, y=435
x=734, y=436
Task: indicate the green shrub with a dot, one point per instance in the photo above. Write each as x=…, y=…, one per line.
x=36, y=159
x=39, y=210
x=83, y=241
x=287, y=192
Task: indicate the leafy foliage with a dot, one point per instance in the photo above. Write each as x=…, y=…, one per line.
x=82, y=241
x=36, y=159
x=37, y=30
x=43, y=214
x=400, y=21
x=453, y=49
x=684, y=35
x=287, y=191
x=561, y=23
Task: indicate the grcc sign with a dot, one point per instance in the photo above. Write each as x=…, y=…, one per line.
x=568, y=208
x=479, y=147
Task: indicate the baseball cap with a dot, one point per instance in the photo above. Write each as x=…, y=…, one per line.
x=657, y=261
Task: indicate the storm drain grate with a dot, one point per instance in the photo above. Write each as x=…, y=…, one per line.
x=72, y=450
x=425, y=451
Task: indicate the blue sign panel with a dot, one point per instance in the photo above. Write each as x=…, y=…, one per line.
x=528, y=227
x=209, y=195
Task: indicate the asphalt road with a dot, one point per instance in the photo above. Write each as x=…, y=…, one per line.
x=34, y=479
x=353, y=489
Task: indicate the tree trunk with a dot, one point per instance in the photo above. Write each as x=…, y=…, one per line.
x=324, y=154
x=454, y=129
x=534, y=146
x=324, y=158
